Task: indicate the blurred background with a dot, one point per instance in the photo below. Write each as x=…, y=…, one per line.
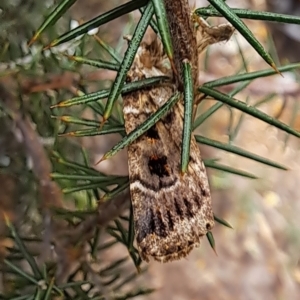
x=259, y=257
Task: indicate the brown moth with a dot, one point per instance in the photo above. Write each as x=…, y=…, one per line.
x=172, y=211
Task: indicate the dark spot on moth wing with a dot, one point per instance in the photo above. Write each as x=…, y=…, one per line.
x=189, y=207
x=179, y=248
x=169, y=118
x=178, y=208
x=128, y=79
x=160, y=226
x=150, y=223
x=145, y=224
x=152, y=133
x=170, y=220
x=190, y=243
x=158, y=166
x=198, y=200
x=208, y=226
x=204, y=192
x=184, y=207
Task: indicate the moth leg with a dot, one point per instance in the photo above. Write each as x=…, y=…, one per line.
x=211, y=34
x=208, y=35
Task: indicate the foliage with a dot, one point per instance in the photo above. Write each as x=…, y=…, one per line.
x=83, y=227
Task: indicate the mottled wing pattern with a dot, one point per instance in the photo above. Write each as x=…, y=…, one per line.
x=171, y=211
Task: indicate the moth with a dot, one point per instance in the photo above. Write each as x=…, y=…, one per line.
x=172, y=211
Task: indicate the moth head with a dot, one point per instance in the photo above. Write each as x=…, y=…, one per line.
x=151, y=60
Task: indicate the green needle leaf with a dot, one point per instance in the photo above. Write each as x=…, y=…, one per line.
x=110, y=50
x=249, y=76
x=160, y=13
x=229, y=14
x=213, y=165
x=132, y=86
x=122, y=186
x=133, y=135
x=111, y=268
x=29, y=258
x=108, y=179
x=21, y=272
x=211, y=240
x=98, y=21
x=76, y=166
x=250, y=14
x=52, y=18
x=223, y=222
x=128, y=59
x=200, y=119
x=95, y=63
x=96, y=131
x=123, y=231
x=238, y=151
x=49, y=290
x=78, y=121
x=89, y=186
x=188, y=114
x=248, y=109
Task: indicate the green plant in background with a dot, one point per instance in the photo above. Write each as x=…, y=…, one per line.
x=81, y=234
